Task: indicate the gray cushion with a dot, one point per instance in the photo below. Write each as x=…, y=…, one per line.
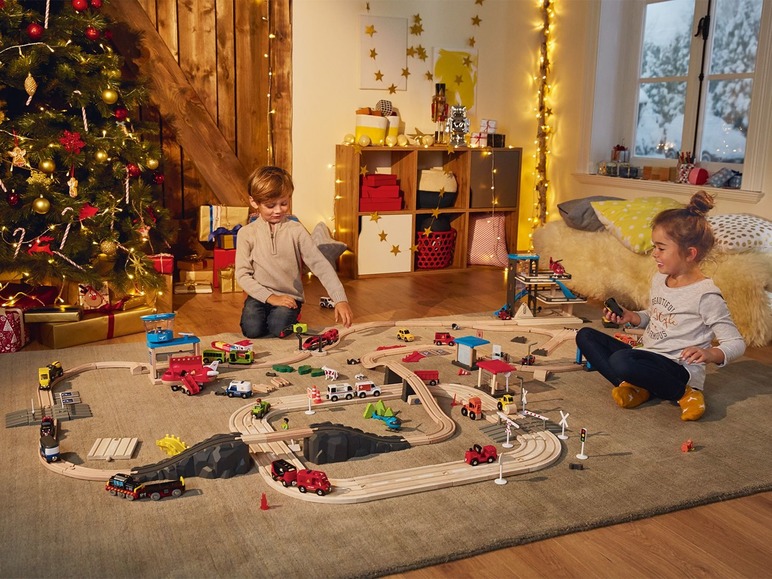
x=330, y=248
x=579, y=214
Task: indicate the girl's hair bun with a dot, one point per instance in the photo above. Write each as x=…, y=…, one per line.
x=700, y=203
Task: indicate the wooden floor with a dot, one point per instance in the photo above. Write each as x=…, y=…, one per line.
x=728, y=539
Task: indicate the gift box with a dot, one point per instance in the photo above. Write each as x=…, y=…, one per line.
x=487, y=125
x=193, y=288
x=93, y=327
x=225, y=241
x=379, y=179
x=227, y=282
x=477, y=140
x=496, y=140
x=205, y=276
x=161, y=300
x=212, y=217
x=54, y=314
x=380, y=191
x=222, y=259
x=15, y=299
x=94, y=298
x=13, y=334
x=163, y=262
x=192, y=264
x=375, y=204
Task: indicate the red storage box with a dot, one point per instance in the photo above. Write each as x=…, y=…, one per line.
x=380, y=204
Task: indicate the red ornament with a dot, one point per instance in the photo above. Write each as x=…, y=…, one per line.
x=72, y=142
x=35, y=31
x=121, y=113
x=92, y=33
x=87, y=211
x=79, y=5
x=96, y=4
x=133, y=170
x=158, y=178
x=13, y=199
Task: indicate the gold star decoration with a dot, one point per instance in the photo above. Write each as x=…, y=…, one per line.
x=374, y=216
x=373, y=53
x=416, y=19
x=413, y=248
x=436, y=213
x=410, y=51
x=383, y=235
x=417, y=135
x=459, y=79
x=37, y=177
x=476, y=20
x=357, y=148
x=370, y=30
x=421, y=51
x=427, y=231
x=378, y=75
x=451, y=148
x=363, y=170
x=428, y=74
x=416, y=29
x=479, y=2
x=395, y=250
x=471, y=42
x=392, y=89
x=467, y=61
x=406, y=72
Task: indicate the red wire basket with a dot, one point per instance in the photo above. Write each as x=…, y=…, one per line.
x=435, y=250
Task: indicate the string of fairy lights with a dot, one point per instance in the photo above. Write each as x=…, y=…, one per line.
x=269, y=56
x=543, y=116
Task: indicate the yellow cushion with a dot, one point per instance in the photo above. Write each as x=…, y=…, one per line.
x=630, y=220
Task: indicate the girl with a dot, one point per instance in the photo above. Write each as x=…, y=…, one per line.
x=685, y=313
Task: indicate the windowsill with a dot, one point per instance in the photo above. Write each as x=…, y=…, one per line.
x=666, y=187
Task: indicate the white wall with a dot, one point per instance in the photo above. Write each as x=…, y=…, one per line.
x=326, y=80
x=326, y=94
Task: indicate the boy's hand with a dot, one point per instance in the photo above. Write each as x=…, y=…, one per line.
x=282, y=300
x=343, y=314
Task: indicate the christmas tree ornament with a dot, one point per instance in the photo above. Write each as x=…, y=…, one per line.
x=73, y=185
x=13, y=199
x=47, y=166
x=108, y=247
x=72, y=142
x=133, y=170
x=121, y=113
x=41, y=205
x=158, y=178
x=79, y=5
x=17, y=157
x=30, y=85
x=349, y=139
x=87, y=211
x=110, y=96
x=96, y=4
x=92, y=33
x=151, y=164
x=100, y=156
x=35, y=31
x=364, y=141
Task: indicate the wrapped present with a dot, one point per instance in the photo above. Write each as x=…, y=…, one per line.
x=212, y=217
x=227, y=280
x=384, y=204
x=93, y=327
x=206, y=276
x=222, y=259
x=225, y=241
x=496, y=140
x=91, y=298
x=162, y=300
x=379, y=179
x=477, y=140
x=54, y=314
x=192, y=263
x=163, y=262
x=131, y=302
x=13, y=334
x=380, y=191
x=487, y=125
x=192, y=288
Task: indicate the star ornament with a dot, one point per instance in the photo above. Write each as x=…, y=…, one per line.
x=395, y=250
x=374, y=216
x=370, y=30
x=383, y=235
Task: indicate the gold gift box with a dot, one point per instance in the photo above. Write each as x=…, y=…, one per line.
x=93, y=327
x=53, y=314
x=228, y=283
x=205, y=276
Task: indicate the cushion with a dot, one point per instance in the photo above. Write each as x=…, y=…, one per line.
x=330, y=248
x=630, y=220
x=488, y=240
x=741, y=232
x=579, y=214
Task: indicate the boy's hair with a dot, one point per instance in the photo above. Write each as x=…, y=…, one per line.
x=269, y=183
x=687, y=226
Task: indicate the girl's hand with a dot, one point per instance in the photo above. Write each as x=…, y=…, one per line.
x=343, y=314
x=695, y=355
x=627, y=317
x=283, y=301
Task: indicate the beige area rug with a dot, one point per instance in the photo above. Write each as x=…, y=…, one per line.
x=53, y=525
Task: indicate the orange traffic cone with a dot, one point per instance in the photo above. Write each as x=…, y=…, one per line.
x=315, y=396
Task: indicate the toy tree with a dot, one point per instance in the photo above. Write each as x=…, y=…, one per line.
x=80, y=174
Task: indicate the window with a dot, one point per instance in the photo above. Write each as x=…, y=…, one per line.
x=695, y=88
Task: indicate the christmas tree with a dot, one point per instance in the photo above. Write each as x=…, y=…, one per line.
x=80, y=173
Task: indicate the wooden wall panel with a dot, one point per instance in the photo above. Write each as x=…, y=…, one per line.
x=218, y=47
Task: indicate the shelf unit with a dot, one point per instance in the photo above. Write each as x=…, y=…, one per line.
x=479, y=173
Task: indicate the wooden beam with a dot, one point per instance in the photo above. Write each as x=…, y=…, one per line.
x=181, y=107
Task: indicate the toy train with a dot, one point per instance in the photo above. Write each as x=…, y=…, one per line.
x=126, y=486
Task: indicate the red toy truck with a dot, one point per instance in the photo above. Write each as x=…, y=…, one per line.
x=430, y=377
x=478, y=454
x=305, y=479
x=472, y=408
x=443, y=338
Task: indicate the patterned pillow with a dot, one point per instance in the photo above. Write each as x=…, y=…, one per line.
x=630, y=220
x=579, y=214
x=741, y=232
x=330, y=248
x=488, y=241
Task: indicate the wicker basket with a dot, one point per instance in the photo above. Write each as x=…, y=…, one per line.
x=435, y=250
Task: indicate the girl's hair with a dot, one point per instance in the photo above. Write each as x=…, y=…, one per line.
x=687, y=226
x=269, y=183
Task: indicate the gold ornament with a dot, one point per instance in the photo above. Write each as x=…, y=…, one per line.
x=30, y=85
x=109, y=96
x=73, y=185
x=349, y=139
x=100, y=156
x=108, y=247
x=152, y=164
x=47, y=166
x=364, y=141
x=41, y=205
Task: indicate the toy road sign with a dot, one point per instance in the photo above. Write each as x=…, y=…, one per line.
x=583, y=434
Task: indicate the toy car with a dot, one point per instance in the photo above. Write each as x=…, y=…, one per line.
x=507, y=404
x=472, y=408
x=445, y=338
x=318, y=342
x=260, y=408
x=284, y=471
x=326, y=302
x=478, y=454
x=405, y=335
